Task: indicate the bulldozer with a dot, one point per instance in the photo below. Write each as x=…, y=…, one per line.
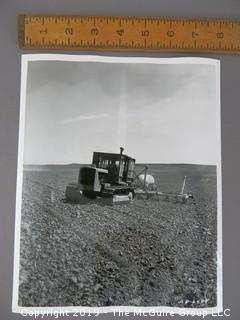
x=110, y=176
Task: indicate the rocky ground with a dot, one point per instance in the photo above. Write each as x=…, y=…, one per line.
x=146, y=253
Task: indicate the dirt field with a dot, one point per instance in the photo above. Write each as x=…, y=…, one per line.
x=147, y=253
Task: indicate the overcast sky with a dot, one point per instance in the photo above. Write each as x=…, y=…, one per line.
x=158, y=113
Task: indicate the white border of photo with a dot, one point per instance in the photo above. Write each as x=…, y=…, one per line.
x=116, y=310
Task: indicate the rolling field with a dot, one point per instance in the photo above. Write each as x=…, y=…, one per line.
x=146, y=253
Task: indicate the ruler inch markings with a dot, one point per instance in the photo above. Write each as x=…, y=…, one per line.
x=137, y=33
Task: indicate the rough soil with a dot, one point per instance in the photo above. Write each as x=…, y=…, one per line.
x=146, y=253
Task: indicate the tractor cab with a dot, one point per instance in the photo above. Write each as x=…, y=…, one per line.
x=119, y=166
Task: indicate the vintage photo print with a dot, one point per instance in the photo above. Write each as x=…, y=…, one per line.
x=119, y=185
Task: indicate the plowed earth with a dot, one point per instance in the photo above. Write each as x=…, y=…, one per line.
x=146, y=253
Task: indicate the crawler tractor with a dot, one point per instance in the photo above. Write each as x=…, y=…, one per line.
x=111, y=176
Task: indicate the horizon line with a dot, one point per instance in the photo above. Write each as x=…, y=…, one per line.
x=137, y=163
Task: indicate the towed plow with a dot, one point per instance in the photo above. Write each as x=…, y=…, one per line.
x=147, y=189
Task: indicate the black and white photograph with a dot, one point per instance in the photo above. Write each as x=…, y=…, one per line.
x=118, y=200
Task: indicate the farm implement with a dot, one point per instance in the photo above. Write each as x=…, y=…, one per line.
x=112, y=178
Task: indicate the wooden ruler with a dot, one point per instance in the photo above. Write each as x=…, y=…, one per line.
x=38, y=32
